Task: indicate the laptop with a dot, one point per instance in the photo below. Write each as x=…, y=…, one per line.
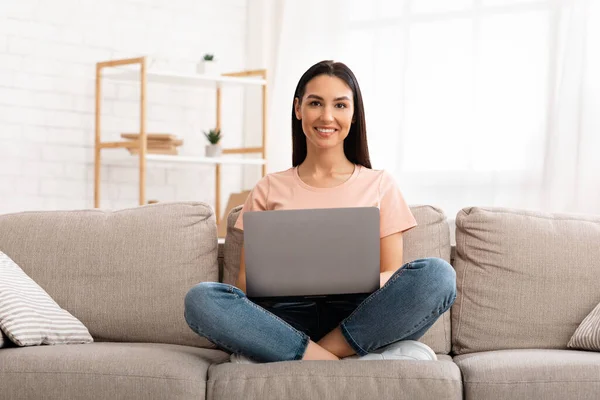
x=304, y=254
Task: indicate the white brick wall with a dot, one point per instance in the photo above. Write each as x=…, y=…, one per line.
x=48, y=52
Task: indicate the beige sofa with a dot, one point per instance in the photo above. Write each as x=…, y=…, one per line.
x=525, y=281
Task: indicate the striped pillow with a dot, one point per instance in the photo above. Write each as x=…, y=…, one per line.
x=587, y=335
x=29, y=316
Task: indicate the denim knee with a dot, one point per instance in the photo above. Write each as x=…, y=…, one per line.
x=437, y=280
x=445, y=277
x=200, y=303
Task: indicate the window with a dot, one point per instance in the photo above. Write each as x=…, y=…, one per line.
x=454, y=85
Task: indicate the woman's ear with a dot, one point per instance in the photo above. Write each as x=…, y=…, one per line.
x=297, y=108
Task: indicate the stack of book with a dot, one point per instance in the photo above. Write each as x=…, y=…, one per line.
x=158, y=143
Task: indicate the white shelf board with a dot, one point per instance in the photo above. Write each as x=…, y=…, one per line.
x=177, y=78
x=204, y=160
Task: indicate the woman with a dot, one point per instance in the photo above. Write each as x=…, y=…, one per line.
x=331, y=168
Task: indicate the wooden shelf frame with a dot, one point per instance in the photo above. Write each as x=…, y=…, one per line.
x=142, y=143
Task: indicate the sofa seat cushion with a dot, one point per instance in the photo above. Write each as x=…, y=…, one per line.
x=106, y=371
x=530, y=374
x=331, y=380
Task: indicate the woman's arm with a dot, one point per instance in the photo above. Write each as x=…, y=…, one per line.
x=241, y=279
x=390, y=250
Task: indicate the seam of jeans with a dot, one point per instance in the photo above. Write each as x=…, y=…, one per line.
x=215, y=341
x=392, y=279
x=291, y=328
x=300, y=352
x=359, y=350
x=231, y=289
x=439, y=312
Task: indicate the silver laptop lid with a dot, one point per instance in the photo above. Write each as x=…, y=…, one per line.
x=311, y=252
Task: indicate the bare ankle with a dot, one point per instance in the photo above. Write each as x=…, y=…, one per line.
x=316, y=352
x=335, y=343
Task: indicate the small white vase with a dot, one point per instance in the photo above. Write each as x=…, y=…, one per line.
x=213, y=150
x=208, y=67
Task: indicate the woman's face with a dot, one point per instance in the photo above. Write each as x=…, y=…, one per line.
x=326, y=111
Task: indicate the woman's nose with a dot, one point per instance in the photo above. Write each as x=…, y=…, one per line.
x=327, y=115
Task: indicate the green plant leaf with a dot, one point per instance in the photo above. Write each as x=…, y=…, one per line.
x=213, y=136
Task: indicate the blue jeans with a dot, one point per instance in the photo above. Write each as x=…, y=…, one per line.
x=403, y=309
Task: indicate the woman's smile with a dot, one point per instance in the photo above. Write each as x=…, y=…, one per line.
x=325, y=132
x=325, y=111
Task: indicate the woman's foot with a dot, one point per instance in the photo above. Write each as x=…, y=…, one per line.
x=241, y=359
x=402, y=350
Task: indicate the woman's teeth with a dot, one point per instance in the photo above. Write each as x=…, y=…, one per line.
x=325, y=132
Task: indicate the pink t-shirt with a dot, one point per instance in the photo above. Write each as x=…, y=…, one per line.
x=365, y=188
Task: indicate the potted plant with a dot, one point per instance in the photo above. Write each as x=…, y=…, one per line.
x=208, y=65
x=214, y=148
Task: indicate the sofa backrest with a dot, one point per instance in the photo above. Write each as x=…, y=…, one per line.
x=430, y=238
x=124, y=274
x=525, y=279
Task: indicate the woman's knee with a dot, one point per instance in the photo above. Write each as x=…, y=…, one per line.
x=443, y=273
x=438, y=275
x=201, y=300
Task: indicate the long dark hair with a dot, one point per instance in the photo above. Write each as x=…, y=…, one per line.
x=355, y=144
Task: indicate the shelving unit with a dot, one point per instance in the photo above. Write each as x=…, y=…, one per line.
x=107, y=70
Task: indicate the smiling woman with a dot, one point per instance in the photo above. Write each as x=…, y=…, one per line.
x=328, y=105
x=323, y=113
x=331, y=169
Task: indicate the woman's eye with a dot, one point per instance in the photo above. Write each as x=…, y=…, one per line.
x=340, y=105
x=315, y=103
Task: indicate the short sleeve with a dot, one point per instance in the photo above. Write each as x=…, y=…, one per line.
x=256, y=201
x=394, y=214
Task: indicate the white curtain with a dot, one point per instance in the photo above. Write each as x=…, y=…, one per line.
x=468, y=102
x=572, y=165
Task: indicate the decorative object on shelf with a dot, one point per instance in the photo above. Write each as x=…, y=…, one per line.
x=245, y=78
x=214, y=148
x=158, y=143
x=208, y=65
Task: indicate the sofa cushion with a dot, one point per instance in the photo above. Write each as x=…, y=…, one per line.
x=430, y=238
x=30, y=317
x=336, y=380
x=525, y=279
x=587, y=335
x=124, y=274
x=106, y=371
x=530, y=374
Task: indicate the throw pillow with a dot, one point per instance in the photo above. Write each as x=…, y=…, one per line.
x=587, y=335
x=29, y=316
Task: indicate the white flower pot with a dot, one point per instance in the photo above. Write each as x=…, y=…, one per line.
x=208, y=67
x=213, y=150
